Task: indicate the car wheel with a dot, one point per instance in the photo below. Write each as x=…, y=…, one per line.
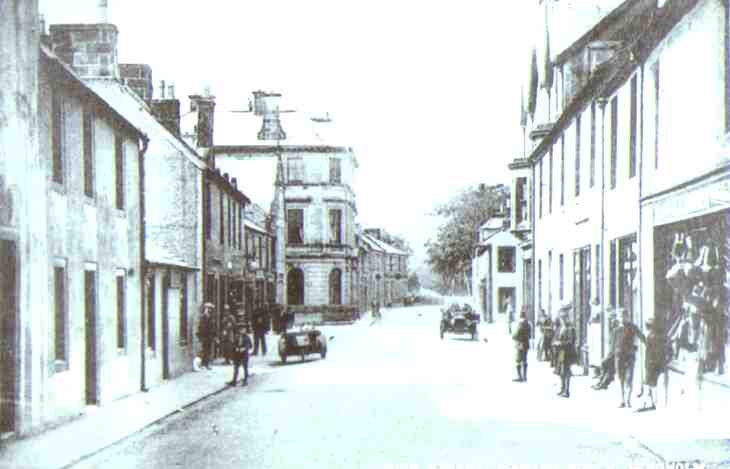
x=282, y=349
x=442, y=334
x=323, y=352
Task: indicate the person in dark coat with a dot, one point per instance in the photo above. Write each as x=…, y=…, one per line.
x=566, y=352
x=260, y=325
x=239, y=353
x=227, y=334
x=608, y=365
x=655, y=361
x=544, y=348
x=624, y=349
x=206, y=334
x=521, y=338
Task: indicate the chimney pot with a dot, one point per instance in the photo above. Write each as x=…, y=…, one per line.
x=171, y=90
x=162, y=89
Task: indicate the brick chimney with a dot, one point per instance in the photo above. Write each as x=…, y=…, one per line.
x=266, y=105
x=139, y=78
x=90, y=49
x=166, y=108
x=204, y=105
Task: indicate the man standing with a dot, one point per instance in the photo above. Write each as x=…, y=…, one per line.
x=227, y=332
x=624, y=346
x=608, y=365
x=242, y=344
x=545, y=326
x=521, y=338
x=566, y=352
x=510, y=311
x=206, y=334
x=259, y=331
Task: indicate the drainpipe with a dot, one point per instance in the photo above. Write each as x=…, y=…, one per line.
x=602, y=103
x=143, y=264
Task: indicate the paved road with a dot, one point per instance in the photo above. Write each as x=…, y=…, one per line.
x=391, y=393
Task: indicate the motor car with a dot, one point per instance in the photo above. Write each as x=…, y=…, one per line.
x=302, y=343
x=459, y=320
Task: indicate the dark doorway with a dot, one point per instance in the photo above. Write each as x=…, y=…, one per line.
x=336, y=287
x=295, y=287
x=92, y=397
x=581, y=293
x=8, y=334
x=166, y=326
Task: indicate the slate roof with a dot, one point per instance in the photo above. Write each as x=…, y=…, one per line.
x=648, y=32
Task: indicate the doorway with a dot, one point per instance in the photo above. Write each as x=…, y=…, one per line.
x=582, y=292
x=8, y=334
x=92, y=391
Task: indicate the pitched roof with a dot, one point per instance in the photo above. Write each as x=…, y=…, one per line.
x=649, y=32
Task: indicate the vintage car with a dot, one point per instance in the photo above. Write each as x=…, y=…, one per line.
x=302, y=343
x=459, y=320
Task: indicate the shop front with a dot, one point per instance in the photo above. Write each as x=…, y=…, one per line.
x=688, y=290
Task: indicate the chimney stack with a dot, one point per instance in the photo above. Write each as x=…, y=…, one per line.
x=90, y=49
x=204, y=105
x=103, y=12
x=266, y=104
x=138, y=77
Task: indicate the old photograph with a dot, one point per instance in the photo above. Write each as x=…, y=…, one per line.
x=382, y=235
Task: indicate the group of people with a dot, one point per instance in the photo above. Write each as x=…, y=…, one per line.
x=234, y=342
x=558, y=345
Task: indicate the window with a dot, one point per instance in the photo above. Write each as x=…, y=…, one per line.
x=221, y=219
x=550, y=183
x=628, y=260
x=599, y=274
x=295, y=169
x=295, y=287
x=207, y=215
x=151, y=315
x=577, y=158
x=632, y=128
x=335, y=171
x=656, y=113
x=229, y=215
x=241, y=216
x=592, y=181
x=562, y=170
x=505, y=259
x=539, y=285
x=295, y=226
x=88, y=124
x=336, y=226
x=183, y=333
x=119, y=171
x=561, y=266
x=60, y=316
x=57, y=140
x=542, y=182
x=336, y=287
x=612, y=274
x=121, y=311
x=614, y=140
x=521, y=200
x=259, y=250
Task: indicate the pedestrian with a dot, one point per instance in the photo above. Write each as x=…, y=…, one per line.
x=521, y=338
x=227, y=333
x=566, y=352
x=242, y=344
x=544, y=344
x=260, y=326
x=608, y=365
x=557, y=325
x=655, y=360
x=206, y=334
x=624, y=346
x=510, y=311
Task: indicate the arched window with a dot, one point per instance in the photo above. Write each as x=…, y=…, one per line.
x=295, y=287
x=336, y=287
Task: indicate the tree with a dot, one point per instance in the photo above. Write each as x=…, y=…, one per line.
x=451, y=252
x=414, y=284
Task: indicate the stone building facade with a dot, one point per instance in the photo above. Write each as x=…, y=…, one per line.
x=630, y=153
x=71, y=175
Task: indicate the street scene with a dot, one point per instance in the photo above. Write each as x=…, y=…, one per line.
x=382, y=235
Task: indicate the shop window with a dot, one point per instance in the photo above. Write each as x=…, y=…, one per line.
x=592, y=179
x=295, y=226
x=577, y=155
x=295, y=287
x=183, y=332
x=335, y=284
x=506, y=259
x=633, y=127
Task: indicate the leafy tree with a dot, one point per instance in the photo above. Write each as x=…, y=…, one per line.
x=452, y=250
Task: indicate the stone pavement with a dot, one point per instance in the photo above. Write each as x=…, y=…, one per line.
x=688, y=429
x=100, y=427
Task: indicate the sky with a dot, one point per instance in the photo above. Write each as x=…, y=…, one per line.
x=429, y=91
